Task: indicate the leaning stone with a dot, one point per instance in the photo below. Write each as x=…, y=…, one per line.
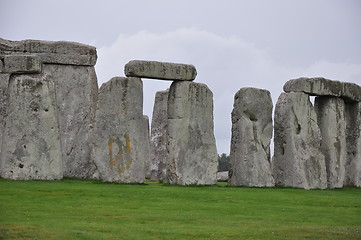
x=158, y=153
x=192, y=158
x=298, y=160
x=76, y=96
x=120, y=131
x=61, y=52
x=251, y=137
x=160, y=70
x=31, y=144
x=353, y=145
x=22, y=64
x=324, y=87
x=331, y=120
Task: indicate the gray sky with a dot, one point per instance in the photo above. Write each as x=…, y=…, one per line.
x=232, y=43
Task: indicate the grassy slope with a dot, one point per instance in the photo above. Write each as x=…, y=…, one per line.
x=73, y=209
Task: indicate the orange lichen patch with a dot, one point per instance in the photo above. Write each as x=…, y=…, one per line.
x=120, y=155
x=127, y=141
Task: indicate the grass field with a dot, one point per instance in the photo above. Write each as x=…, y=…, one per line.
x=75, y=209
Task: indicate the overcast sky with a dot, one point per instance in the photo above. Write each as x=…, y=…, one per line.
x=232, y=43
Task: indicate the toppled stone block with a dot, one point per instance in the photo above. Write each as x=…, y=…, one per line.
x=251, y=137
x=353, y=145
x=160, y=70
x=324, y=87
x=22, y=64
x=222, y=176
x=192, y=158
x=120, y=131
x=298, y=160
x=158, y=142
x=61, y=52
x=76, y=97
x=31, y=147
x=331, y=120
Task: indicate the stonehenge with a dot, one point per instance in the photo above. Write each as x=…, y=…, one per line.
x=55, y=122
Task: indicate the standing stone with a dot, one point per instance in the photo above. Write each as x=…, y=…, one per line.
x=31, y=147
x=251, y=137
x=298, y=160
x=120, y=131
x=71, y=67
x=353, y=145
x=76, y=95
x=191, y=145
x=331, y=120
x=4, y=81
x=160, y=70
x=144, y=131
x=158, y=153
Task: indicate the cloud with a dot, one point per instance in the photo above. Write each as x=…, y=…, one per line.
x=225, y=64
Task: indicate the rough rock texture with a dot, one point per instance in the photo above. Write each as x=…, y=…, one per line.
x=191, y=144
x=251, y=137
x=144, y=131
x=160, y=70
x=69, y=53
x=353, y=145
x=21, y=64
x=222, y=176
x=331, y=120
x=76, y=95
x=119, y=131
x=4, y=82
x=158, y=142
x=31, y=147
x=324, y=87
x=298, y=160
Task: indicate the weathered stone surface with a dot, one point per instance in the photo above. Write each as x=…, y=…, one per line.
x=298, y=160
x=160, y=70
x=144, y=131
x=331, y=120
x=51, y=52
x=158, y=142
x=4, y=82
x=222, y=176
x=324, y=87
x=191, y=144
x=353, y=145
x=119, y=131
x=251, y=137
x=22, y=64
x=76, y=96
x=31, y=147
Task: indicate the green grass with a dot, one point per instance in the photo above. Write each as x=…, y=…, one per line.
x=75, y=209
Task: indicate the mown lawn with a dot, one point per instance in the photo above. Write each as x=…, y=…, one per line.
x=75, y=209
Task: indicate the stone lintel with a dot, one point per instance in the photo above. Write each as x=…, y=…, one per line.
x=319, y=86
x=21, y=64
x=61, y=52
x=160, y=70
